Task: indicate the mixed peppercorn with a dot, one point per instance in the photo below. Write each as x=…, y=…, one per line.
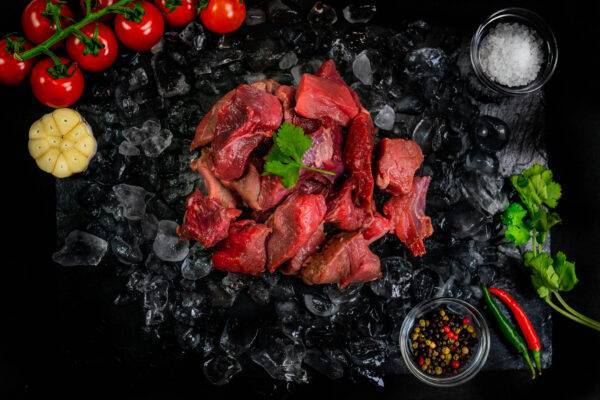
x=442, y=341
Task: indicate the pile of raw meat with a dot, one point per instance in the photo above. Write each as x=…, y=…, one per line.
x=321, y=228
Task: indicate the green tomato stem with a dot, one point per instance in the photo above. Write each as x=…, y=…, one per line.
x=570, y=316
x=574, y=312
x=64, y=33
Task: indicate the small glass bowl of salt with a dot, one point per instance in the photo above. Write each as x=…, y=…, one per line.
x=514, y=51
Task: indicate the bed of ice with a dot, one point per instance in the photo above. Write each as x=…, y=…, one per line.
x=416, y=81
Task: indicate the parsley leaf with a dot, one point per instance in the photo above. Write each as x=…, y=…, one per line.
x=516, y=229
x=565, y=271
x=285, y=157
x=536, y=186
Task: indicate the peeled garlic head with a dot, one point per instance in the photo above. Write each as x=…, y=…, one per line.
x=62, y=143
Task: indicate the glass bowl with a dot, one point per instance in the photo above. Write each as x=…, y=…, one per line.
x=463, y=309
x=530, y=20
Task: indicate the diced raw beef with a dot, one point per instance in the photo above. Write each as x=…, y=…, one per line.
x=205, y=131
x=318, y=98
x=378, y=228
x=407, y=214
x=310, y=247
x=214, y=188
x=243, y=124
x=328, y=70
x=244, y=250
x=293, y=224
x=205, y=220
x=343, y=213
x=257, y=191
x=399, y=159
x=352, y=207
x=345, y=259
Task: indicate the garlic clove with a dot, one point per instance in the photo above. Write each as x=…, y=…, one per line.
x=66, y=119
x=48, y=160
x=61, y=168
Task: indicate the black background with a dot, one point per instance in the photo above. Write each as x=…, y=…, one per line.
x=63, y=336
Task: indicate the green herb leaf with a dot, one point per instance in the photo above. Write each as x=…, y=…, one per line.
x=285, y=157
x=565, y=271
x=543, y=273
x=516, y=229
x=536, y=186
x=291, y=141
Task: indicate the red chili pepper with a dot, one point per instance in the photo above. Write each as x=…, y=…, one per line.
x=531, y=336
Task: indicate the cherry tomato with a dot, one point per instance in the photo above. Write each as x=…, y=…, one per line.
x=12, y=71
x=37, y=27
x=98, y=5
x=56, y=91
x=141, y=34
x=223, y=16
x=178, y=12
x=105, y=56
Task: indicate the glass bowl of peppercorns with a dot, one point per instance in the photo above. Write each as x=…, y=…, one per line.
x=444, y=341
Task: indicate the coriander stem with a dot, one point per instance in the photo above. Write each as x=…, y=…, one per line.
x=570, y=316
x=574, y=312
x=64, y=33
x=322, y=171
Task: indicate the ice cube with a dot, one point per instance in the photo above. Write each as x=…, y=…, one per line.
x=485, y=192
x=149, y=226
x=359, y=13
x=341, y=296
x=288, y=60
x=81, y=248
x=395, y=283
x=167, y=244
x=151, y=127
x=137, y=79
x=193, y=35
x=324, y=364
x=255, y=16
x=296, y=74
x=237, y=336
x=135, y=135
x=221, y=368
x=385, y=118
x=361, y=67
x=197, y=264
x=170, y=80
x=128, y=149
x=126, y=253
x=425, y=62
x=132, y=200
x=477, y=160
x=281, y=358
x=155, y=145
x=320, y=306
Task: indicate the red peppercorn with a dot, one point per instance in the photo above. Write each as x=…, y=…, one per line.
x=446, y=329
x=421, y=361
x=466, y=321
x=455, y=364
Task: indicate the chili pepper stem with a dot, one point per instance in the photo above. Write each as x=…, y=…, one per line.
x=574, y=312
x=64, y=33
x=538, y=360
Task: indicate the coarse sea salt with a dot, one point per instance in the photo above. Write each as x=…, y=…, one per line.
x=511, y=54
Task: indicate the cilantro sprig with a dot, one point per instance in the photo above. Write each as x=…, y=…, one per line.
x=285, y=157
x=529, y=221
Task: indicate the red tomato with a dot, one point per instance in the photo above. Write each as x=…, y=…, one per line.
x=37, y=27
x=178, y=12
x=105, y=56
x=56, y=91
x=12, y=71
x=223, y=16
x=98, y=5
x=142, y=35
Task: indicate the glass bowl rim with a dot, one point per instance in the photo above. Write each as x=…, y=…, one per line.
x=543, y=30
x=478, y=359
